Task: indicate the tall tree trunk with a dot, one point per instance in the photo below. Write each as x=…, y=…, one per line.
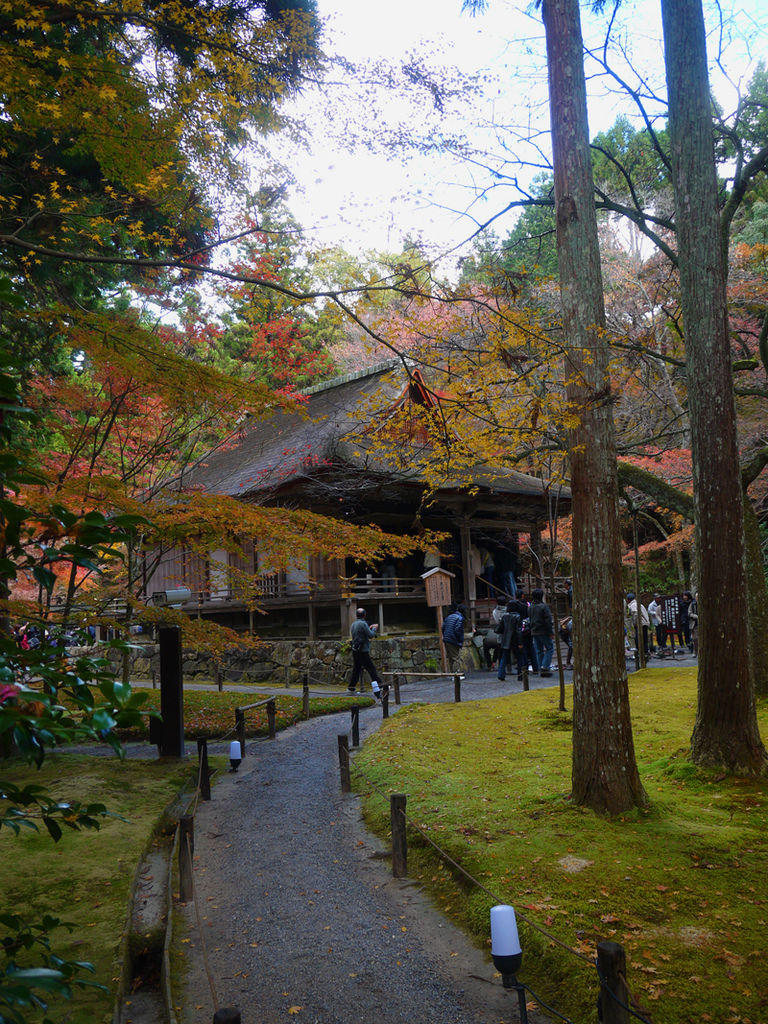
x=604, y=769
x=725, y=733
x=758, y=601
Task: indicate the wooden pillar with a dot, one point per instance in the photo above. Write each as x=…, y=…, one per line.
x=186, y=855
x=397, y=805
x=171, y=692
x=614, y=995
x=240, y=729
x=470, y=587
x=227, y=1015
x=312, y=622
x=536, y=549
x=343, y=743
x=441, y=642
x=347, y=616
x=203, y=771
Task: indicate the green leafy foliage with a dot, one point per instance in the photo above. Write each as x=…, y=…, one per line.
x=30, y=988
x=46, y=700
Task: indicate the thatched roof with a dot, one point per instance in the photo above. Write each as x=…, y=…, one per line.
x=334, y=438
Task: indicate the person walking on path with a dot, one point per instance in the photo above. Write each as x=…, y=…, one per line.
x=542, y=631
x=362, y=634
x=453, y=635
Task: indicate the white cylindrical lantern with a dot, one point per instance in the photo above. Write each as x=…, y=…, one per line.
x=504, y=938
x=235, y=753
x=506, y=951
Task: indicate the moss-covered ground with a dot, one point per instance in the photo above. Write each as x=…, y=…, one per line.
x=210, y=714
x=85, y=879
x=682, y=885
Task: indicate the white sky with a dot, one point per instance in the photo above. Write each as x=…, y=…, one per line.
x=368, y=199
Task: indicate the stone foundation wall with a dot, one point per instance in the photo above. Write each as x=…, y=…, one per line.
x=286, y=662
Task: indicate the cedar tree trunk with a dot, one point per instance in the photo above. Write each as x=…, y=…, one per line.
x=725, y=733
x=604, y=769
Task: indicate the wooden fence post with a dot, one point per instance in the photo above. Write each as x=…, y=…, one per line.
x=305, y=695
x=171, y=692
x=271, y=716
x=526, y=681
x=227, y=1015
x=355, y=711
x=346, y=782
x=240, y=729
x=397, y=802
x=186, y=850
x=457, y=688
x=385, y=703
x=397, y=690
x=612, y=969
x=219, y=677
x=205, y=775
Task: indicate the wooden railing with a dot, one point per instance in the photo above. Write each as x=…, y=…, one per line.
x=273, y=587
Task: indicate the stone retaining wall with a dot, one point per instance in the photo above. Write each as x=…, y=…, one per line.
x=286, y=662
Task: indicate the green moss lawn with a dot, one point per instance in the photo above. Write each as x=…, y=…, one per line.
x=86, y=877
x=682, y=886
x=209, y=714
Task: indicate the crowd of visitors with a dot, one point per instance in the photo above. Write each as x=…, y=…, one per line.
x=666, y=618
x=522, y=632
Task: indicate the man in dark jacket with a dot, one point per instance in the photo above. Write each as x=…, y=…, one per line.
x=511, y=641
x=453, y=634
x=542, y=631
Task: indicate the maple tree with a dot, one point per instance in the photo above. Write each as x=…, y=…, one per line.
x=74, y=699
x=120, y=125
x=265, y=334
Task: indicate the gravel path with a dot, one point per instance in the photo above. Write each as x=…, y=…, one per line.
x=300, y=913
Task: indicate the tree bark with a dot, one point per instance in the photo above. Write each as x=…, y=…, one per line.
x=604, y=769
x=758, y=601
x=725, y=734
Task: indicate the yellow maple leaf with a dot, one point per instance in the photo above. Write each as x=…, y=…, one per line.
x=293, y=1010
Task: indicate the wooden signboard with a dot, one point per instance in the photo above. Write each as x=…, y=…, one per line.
x=437, y=583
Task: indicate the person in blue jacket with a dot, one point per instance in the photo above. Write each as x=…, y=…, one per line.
x=453, y=634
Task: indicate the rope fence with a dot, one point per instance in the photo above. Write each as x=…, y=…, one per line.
x=616, y=1004
x=185, y=829
x=610, y=963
